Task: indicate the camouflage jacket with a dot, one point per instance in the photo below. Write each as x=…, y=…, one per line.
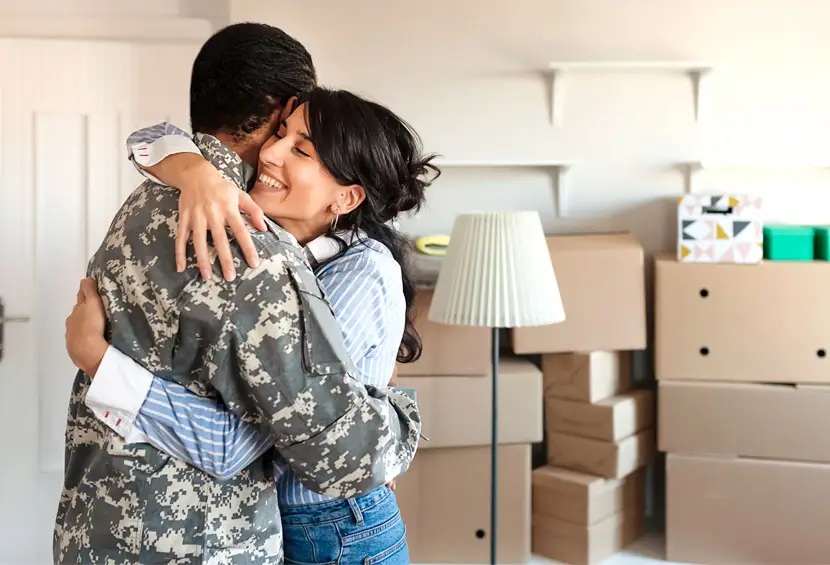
x=268, y=344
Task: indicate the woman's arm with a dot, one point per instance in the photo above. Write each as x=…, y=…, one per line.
x=143, y=408
x=148, y=147
x=198, y=430
x=166, y=154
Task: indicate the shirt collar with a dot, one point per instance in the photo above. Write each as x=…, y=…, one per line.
x=325, y=247
x=225, y=159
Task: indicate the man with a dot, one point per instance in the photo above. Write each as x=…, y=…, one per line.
x=265, y=341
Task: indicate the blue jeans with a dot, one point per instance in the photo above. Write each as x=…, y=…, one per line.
x=365, y=530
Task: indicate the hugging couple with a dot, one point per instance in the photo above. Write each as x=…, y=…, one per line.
x=233, y=404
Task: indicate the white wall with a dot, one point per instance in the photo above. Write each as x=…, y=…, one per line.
x=467, y=76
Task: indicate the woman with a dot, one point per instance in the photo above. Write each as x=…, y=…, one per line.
x=335, y=153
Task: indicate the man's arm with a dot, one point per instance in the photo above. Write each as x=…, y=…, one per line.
x=281, y=374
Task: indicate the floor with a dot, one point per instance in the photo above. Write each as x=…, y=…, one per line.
x=648, y=550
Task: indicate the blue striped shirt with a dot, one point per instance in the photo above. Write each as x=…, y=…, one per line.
x=365, y=291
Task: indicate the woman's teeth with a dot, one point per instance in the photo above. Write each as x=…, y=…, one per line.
x=265, y=179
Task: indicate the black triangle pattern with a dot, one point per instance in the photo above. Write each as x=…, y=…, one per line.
x=688, y=236
x=738, y=226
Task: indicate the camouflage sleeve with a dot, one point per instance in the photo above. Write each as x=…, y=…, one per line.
x=369, y=446
x=276, y=369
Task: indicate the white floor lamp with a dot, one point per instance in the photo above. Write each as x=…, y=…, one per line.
x=497, y=274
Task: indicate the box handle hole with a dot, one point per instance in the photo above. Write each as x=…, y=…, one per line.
x=821, y=353
x=480, y=534
x=715, y=210
x=704, y=351
x=704, y=292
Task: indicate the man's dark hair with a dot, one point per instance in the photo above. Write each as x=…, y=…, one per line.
x=242, y=74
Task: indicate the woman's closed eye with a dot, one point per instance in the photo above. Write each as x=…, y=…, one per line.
x=280, y=135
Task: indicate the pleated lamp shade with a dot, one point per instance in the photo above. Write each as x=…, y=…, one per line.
x=497, y=273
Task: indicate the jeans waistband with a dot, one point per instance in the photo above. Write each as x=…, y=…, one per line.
x=337, y=509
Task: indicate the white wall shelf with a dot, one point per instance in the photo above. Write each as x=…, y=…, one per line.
x=695, y=70
x=129, y=28
x=690, y=168
x=555, y=169
x=498, y=164
x=759, y=164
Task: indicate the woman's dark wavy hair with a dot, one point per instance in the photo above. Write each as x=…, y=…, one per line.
x=361, y=142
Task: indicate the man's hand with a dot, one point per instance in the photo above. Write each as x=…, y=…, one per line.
x=209, y=202
x=85, y=329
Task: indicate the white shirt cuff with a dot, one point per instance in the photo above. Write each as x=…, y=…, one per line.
x=118, y=392
x=149, y=154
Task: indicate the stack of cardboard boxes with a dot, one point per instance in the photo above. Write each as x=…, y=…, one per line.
x=445, y=495
x=588, y=501
x=743, y=410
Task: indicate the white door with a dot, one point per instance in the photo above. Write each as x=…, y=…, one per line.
x=65, y=110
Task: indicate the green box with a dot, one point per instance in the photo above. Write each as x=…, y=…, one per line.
x=822, y=243
x=789, y=243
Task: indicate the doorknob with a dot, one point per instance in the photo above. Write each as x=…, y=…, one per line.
x=7, y=320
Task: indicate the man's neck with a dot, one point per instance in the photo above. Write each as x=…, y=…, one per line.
x=247, y=149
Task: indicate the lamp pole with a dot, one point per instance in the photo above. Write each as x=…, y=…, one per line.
x=494, y=449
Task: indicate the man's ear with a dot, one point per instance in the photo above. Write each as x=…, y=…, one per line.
x=288, y=109
x=350, y=198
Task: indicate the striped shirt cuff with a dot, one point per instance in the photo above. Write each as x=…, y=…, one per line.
x=117, y=393
x=147, y=154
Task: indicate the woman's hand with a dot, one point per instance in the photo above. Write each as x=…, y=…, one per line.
x=210, y=202
x=85, y=329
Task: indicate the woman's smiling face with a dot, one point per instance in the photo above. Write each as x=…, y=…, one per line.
x=293, y=187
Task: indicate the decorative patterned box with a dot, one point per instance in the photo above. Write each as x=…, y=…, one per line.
x=719, y=229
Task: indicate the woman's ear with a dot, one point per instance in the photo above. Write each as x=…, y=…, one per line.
x=350, y=198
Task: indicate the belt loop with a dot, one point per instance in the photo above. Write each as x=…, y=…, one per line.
x=358, y=515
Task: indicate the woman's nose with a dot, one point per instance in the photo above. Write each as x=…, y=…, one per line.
x=274, y=155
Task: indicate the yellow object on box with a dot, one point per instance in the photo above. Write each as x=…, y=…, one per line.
x=435, y=245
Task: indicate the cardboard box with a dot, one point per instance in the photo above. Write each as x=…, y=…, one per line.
x=752, y=420
x=447, y=350
x=445, y=504
x=614, y=460
x=746, y=511
x=588, y=377
x=457, y=411
x=611, y=419
x=583, y=499
x=587, y=545
x=602, y=284
x=719, y=228
x=757, y=323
